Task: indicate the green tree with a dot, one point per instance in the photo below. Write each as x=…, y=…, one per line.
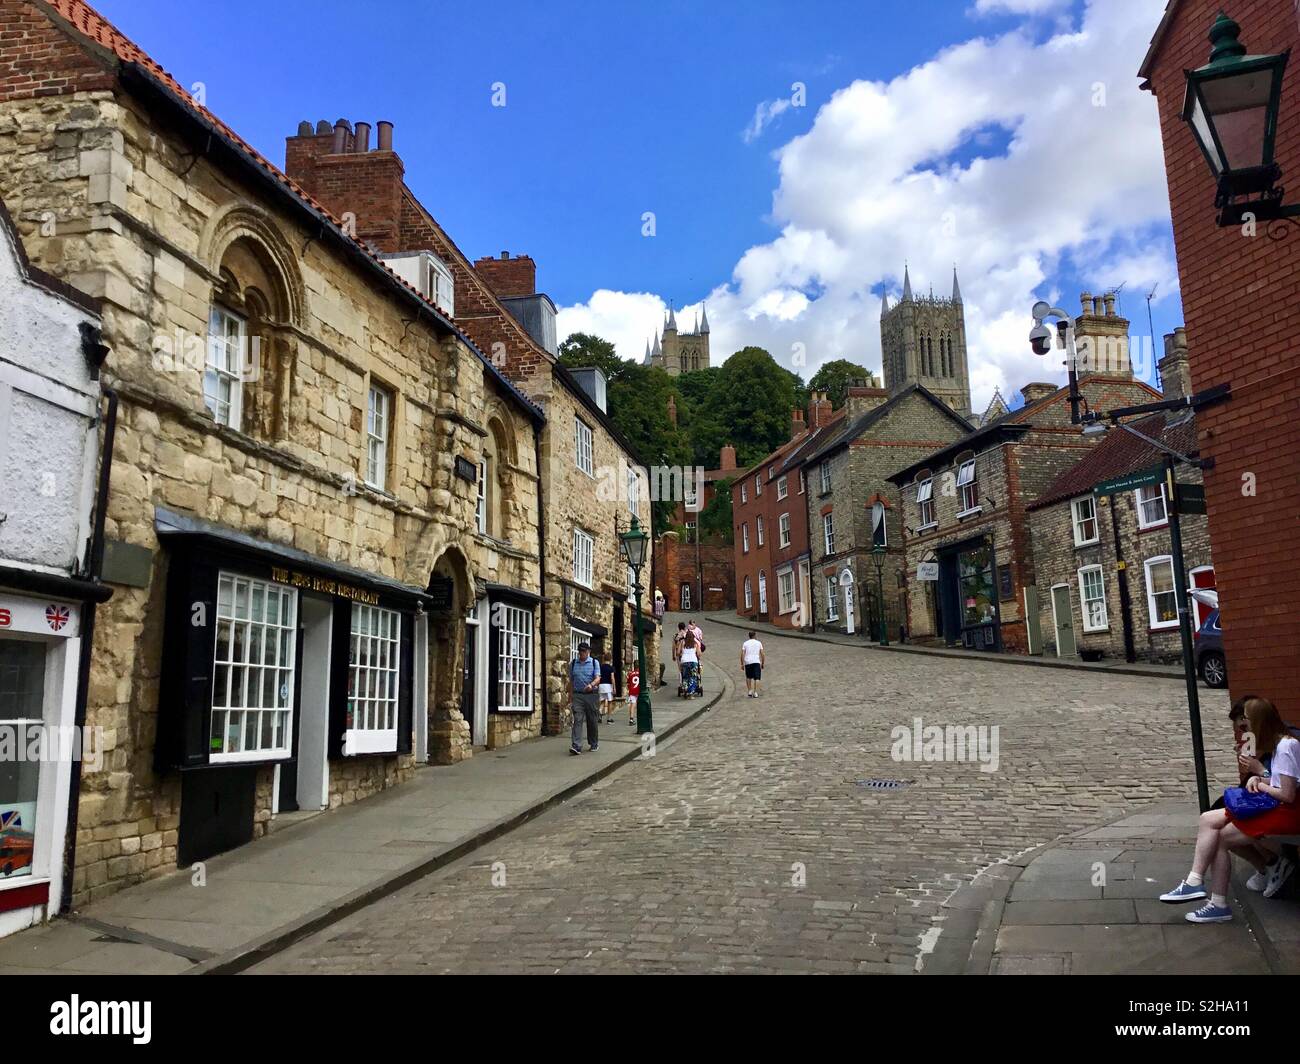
x=582, y=350
x=750, y=405
x=715, y=518
x=834, y=378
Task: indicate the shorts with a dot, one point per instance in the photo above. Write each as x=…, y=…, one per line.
x=607, y=692
x=754, y=671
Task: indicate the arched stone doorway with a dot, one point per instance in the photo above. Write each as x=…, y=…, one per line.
x=452, y=586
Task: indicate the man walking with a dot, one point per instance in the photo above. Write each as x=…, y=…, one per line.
x=752, y=660
x=584, y=677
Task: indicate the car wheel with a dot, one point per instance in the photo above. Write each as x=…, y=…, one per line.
x=1214, y=670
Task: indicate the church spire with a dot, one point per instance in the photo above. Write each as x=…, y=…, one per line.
x=656, y=351
x=884, y=304
x=672, y=320
x=907, y=285
x=956, y=290
x=704, y=320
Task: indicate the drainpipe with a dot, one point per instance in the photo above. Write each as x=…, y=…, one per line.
x=94, y=566
x=541, y=573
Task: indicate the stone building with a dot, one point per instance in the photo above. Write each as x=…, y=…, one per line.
x=680, y=352
x=591, y=480
x=965, y=512
x=1103, y=563
x=770, y=516
x=296, y=522
x=694, y=570
x=51, y=491
x=923, y=341
x=847, y=472
x=1242, y=315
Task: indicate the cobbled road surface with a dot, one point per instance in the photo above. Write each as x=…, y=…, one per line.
x=747, y=843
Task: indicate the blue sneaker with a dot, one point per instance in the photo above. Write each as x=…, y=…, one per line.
x=1210, y=914
x=1183, y=892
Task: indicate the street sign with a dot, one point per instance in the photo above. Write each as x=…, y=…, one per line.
x=1189, y=498
x=927, y=571
x=1130, y=481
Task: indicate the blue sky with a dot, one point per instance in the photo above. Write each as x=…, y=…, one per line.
x=616, y=109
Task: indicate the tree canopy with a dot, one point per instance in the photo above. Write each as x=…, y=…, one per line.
x=834, y=378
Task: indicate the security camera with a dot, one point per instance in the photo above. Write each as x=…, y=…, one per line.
x=1040, y=339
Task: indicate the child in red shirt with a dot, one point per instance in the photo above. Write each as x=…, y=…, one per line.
x=633, y=689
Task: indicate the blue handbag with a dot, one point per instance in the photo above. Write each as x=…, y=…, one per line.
x=1243, y=805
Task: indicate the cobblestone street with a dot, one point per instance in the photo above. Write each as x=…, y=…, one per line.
x=747, y=843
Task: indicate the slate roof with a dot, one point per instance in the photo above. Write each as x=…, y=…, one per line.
x=855, y=428
x=1121, y=453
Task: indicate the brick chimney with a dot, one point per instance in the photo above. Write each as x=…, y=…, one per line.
x=360, y=186
x=726, y=458
x=864, y=396
x=820, y=410
x=797, y=424
x=1036, y=391
x=1175, y=372
x=508, y=276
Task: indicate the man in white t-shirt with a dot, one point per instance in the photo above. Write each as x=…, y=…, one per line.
x=752, y=660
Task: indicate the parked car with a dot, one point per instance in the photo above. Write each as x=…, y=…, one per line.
x=1211, y=665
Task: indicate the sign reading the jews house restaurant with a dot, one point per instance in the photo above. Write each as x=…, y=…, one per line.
x=311, y=582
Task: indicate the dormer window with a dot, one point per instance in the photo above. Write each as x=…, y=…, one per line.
x=426, y=272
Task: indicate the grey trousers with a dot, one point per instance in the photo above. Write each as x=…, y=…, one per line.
x=586, y=708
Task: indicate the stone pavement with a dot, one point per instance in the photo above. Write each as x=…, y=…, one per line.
x=1089, y=905
x=755, y=844
x=862, y=642
x=299, y=878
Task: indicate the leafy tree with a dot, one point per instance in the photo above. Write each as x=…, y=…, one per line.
x=582, y=350
x=750, y=405
x=834, y=378
x=716, y=518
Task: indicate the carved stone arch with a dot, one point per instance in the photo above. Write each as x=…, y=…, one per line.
x=449, y=731
x=243, y=221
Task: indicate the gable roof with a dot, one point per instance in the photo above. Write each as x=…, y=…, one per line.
x=1157, y=39
x=141, y=75
x=790, y=450
x=856, y=427
x=1121, y=453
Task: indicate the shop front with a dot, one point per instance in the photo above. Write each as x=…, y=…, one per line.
x=279, y=670
x=967, y=596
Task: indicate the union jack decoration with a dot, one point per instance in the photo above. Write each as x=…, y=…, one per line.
x=56, y=616
x=10, y=820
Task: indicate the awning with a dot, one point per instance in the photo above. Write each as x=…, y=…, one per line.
x=171, y=525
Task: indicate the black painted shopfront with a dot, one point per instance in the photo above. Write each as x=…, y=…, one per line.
x=968, y=609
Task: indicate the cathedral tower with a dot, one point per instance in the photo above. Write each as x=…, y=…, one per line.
x=680, y=352
x=923, y=341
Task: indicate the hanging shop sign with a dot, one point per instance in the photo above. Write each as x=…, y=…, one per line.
x=33, y=616
x=927, y=571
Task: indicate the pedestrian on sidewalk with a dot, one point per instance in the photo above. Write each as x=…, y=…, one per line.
x=660, y=607
x=690, y=666
x=696, y=631
x=633, y=692
x=752, y=660
x=607, y=689
x=584, y=678
x=679, y=640
x=1238, y=829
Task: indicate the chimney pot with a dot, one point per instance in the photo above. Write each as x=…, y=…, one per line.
x=340, y=144
x=385, y=133
x=1110, y=304
x=1097, y=306
x=362, y=141
x=1086, y=300
x=323, y=128
x=304, y=128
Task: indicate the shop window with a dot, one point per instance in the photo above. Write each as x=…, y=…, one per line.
x=22, y=707
x=373, y=656
x=253, y=669
x=515, y=659
x=576, y=636
x=975, y=575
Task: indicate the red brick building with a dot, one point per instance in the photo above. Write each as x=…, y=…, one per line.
x=769, y=504
x=694, y=571
x=1242, y=312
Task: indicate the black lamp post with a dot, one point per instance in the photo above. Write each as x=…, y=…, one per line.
x=632, y=545
x=1232, y=107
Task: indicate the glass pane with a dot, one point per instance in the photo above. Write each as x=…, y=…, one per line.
x=254, y=687
x=255, y=642
x=259, y=598
x=286, y=650
x=241, y=600
x=223, y=641
x=239, y=651
x=268, y=740
x=250, y=731
x=237, y=685
x=234, y=733
x=218, y=732
x=289, y=604
x=272, y=606
x=22, y=680
x=224, y=595
x=220, y=688
x=270, y=687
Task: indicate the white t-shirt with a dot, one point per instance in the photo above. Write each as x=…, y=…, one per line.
x=752, y=650
x=689, y=656
x=1286, y=761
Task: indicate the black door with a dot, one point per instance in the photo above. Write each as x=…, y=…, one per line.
x=467, y=698
x=618, y=648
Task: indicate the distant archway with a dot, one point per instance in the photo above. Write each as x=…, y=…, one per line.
x=451, y=583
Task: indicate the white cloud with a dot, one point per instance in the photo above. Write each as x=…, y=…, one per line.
x=991, y=155
x=764, y=115
x=1018, y=7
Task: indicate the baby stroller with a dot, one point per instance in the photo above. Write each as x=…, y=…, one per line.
x=692, y=685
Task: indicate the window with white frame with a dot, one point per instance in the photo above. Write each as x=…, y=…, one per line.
x=968, y=486
x=583, y=554
x=373, y=653
x=1151, y=505
x=782, y=489
x=576, y=636
x=925, y=502
x=441, y=287
x=514, y=659
x=832, y=599
x=253, y=669
x=749, y=594
x=633, y=491
x=223, y=372
x=1162, y=599
x=1084, y=514
x=785, y=590
x=783, y=527
x=692, y=528
x=803, y=481
x=378, y=419
x=582, y=446
x=1092, y=596
x=481, y=502
x=758, y=484
x=744, y=538
x=828, y=532
x=760, y=529
x=826, y=478
x=744, y=493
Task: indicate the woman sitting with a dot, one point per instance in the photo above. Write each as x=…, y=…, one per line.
x=1221, y=833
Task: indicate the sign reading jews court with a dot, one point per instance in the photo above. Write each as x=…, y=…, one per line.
x=310, y=582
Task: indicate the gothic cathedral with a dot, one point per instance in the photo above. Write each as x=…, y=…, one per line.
x=680, y=352
x=923, y=341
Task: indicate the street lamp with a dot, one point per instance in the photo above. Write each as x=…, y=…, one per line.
x=1232, y=107
x=632, y=545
